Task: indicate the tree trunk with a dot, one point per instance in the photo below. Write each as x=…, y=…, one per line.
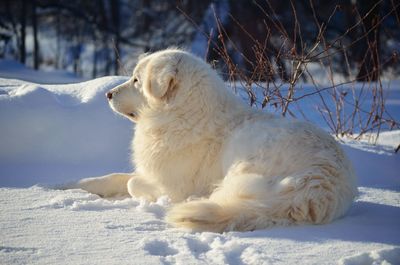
x=145, y=20
x=106, y=55
x=35, y=37
x=369, y=69
x=22, y=47
x=58, y=37
x=95, y=55
x=77, y=49
x=115, y=14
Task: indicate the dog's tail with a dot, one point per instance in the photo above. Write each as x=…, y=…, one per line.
x=237, y=204
x=202, y=215
x=206, y=215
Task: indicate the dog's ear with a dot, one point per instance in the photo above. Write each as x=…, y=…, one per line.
x=161, y=80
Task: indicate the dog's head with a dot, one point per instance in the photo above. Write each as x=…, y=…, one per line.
x=158, y=80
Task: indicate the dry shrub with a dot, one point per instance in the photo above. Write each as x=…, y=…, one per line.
x=282, y=62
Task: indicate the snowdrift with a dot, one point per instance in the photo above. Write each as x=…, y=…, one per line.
x=57, y=132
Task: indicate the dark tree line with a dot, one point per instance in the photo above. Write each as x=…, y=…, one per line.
x=111, y=30
x=365, y=34
x=109, y=27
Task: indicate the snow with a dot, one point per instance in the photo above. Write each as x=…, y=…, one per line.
x=56, y=132
x=53, y=134
x=385, y=143
x=383, y=256
x=44, y=226
x=13, y=69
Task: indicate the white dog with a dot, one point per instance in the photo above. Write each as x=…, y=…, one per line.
x=240, y=168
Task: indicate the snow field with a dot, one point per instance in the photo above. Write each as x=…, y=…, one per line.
x=54, y=134
x=45, y=226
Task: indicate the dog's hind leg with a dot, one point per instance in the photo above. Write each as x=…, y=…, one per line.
x=106, y=186
x=250, y=201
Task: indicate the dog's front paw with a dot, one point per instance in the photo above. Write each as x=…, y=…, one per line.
x=138, y=187
x=107, y=186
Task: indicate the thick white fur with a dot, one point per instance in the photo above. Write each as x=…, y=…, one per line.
x=245, y=169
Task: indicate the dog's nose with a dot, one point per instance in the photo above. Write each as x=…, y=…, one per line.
x=109, y=95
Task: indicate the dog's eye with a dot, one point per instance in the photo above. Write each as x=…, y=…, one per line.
x=135, y=80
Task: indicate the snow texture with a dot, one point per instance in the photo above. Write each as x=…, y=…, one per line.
x=53, y=134
x=382, y=256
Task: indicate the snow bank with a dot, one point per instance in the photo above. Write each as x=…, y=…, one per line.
x=13, y=69
x=56, y=132
x=52, y=134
